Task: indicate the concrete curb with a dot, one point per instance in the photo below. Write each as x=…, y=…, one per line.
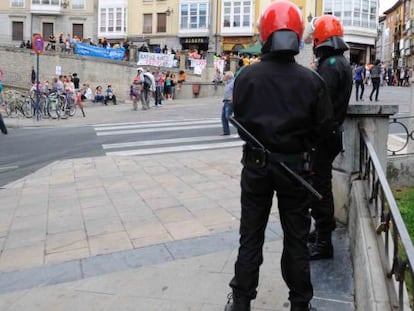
x=371, y=293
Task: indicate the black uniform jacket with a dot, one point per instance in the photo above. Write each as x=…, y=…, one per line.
x=283, y=104
x=337, y=73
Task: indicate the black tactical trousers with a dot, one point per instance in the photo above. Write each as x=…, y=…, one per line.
x=257, y=190
x=323, y=211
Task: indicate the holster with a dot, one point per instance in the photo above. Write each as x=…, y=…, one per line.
x=254, y=157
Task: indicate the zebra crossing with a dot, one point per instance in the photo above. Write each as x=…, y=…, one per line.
x=157, y=137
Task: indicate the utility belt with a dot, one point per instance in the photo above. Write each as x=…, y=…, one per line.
x=258, y=158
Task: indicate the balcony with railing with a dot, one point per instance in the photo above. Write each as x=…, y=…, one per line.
x=49, y=7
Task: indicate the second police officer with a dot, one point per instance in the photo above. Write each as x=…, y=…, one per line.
x=335, y=69
x=287, y=108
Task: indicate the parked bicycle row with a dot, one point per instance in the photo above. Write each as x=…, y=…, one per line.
x=46, y=104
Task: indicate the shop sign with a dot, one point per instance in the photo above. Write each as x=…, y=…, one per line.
x=194, y=40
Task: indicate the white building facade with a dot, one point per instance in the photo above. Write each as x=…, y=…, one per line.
x=360, y=21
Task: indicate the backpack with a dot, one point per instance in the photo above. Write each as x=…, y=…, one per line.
x=358, y=73
x=147, y=82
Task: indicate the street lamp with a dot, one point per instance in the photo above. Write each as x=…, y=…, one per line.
x=65, y=3
x=169, y=11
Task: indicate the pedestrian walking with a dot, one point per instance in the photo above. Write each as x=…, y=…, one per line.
x=158, y=87
x=227, y=109
x=334, y=68
x=359, y=78
x=286, y=107
x=375, y=78
x=136, y=89
x=148, y=89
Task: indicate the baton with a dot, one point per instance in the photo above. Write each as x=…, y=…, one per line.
x=291, y=173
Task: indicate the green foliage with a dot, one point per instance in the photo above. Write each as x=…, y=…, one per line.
x=405, y=201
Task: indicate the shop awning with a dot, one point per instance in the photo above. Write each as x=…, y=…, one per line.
x=253, y=49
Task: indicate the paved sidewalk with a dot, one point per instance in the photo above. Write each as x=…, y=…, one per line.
x=153, y=233
x=157, y=232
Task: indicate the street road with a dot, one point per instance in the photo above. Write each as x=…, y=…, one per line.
x=28, y=149
x=25, y=150
x=179, y=126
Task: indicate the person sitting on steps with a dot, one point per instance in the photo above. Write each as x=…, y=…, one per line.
x=109, y=95
x=98, y=95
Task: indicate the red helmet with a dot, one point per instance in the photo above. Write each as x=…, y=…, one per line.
x=325, y=27
x=280, y=15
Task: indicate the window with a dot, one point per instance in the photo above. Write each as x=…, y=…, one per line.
x=194, y=15
x=102, y=28
x=147, y=27
x=17, y=3
x=118, y=19
x=35, y=1
x=237, y=14
x=112, y=20
x=17, y=31
x=78, y=4
x=161, y=22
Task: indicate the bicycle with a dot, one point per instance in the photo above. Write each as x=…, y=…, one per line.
x=66, y=106
x=17, y=103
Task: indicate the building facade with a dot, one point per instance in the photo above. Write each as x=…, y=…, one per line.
x=395, y=42
x=20, y=20
x=215, y=26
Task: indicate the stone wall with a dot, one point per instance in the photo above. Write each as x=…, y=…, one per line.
x=16, y=65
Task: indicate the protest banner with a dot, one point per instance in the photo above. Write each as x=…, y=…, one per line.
x=155, y=59
x=94, y=51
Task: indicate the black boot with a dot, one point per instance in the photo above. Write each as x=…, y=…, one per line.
x=320, y=249
x=237, y=304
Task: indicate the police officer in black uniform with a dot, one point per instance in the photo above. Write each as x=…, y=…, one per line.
x=287, y=108
x=337, y=72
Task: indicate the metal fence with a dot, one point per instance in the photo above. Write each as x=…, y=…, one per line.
x=402, y=137
x=394, y=243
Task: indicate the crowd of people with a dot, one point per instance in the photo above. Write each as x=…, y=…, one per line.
x=159, y=85
x=389, y=76
x=378, y=74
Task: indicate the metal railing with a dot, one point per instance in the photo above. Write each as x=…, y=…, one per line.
x=404, y=135
x=394, y=243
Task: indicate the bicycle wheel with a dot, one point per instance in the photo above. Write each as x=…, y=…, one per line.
x=27, y=107
x=52, y=107
x=61, y=107
x=72, y=109
x=43, y=107
x=11, y=110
